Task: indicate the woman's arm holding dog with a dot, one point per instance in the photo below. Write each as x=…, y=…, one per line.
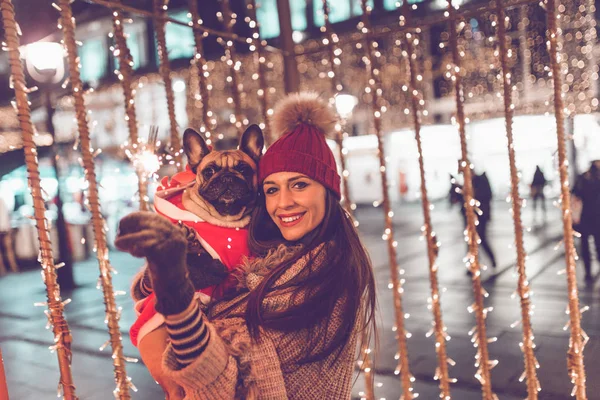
x=194, y=340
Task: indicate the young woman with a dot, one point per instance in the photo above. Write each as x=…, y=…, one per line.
x=291, y=329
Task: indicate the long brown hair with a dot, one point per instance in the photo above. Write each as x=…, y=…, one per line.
x=343, y=280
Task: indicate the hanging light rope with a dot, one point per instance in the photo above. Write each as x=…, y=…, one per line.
x=371, y=59
x=193, y=99
x=334, y=53
x=56, y=319
x=67, y=23
x=160, y=12
x=578, y=337
x=527, y=346
x=260, y=59
x=480, y=340
x=229, y=19
x=439, y=329
x=125, y=73
x=208, y=121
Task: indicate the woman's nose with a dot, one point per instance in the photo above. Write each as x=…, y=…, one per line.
x=286, y=199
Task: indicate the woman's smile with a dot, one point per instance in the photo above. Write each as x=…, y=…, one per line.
x=289, y=220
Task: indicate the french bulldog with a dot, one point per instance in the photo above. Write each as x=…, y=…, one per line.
x=226, y=181
x=210, y=208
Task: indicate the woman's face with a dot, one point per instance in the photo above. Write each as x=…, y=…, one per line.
x=295, y=203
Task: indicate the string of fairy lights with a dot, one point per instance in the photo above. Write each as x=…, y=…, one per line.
x=135, y=147
x=568, y=70
x=411, y=40
x=331, y=39
x=373, y=65
x=578, y=337
x=263, y=92
x=478, y=333
x=160, y=10
x=527, y=345
x=199, y=77
x=54, y=313
x=229, y=19
x=67, y=24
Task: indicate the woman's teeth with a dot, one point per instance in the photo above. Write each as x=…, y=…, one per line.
x=291, y=219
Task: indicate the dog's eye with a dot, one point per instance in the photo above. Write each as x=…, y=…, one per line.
x=208, y=172
x=244, y=169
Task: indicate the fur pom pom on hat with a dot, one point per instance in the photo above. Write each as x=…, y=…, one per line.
x=301, y=120
x=302, y=108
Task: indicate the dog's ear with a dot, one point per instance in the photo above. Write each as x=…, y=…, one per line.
x=252, y=142
x=195, y=148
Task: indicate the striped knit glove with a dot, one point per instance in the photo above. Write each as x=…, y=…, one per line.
x=146, y=234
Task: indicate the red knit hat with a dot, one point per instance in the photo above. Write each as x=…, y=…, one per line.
x=302, y=120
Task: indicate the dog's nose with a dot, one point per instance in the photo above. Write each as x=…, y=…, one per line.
x=226, y=179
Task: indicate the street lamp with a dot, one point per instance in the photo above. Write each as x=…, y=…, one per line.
x=45, y=64
x=344, y=104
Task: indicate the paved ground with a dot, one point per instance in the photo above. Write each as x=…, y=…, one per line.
x=32, y=369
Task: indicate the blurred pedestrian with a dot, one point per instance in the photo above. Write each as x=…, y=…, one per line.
x=587, y=190
x=537, y=191
x=6, y=244
x=403, y=185
x=482, y=192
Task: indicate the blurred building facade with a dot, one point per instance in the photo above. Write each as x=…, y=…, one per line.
x=532, y=90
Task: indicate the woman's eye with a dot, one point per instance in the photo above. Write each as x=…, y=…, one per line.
x=270, y=190
x=300, y=185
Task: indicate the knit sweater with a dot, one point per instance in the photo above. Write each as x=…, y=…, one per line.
x=212, y=356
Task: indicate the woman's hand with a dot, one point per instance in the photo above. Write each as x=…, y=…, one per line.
x=146, y=234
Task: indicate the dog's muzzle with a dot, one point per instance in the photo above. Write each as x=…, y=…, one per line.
x=227, y=188
x=228, y=193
